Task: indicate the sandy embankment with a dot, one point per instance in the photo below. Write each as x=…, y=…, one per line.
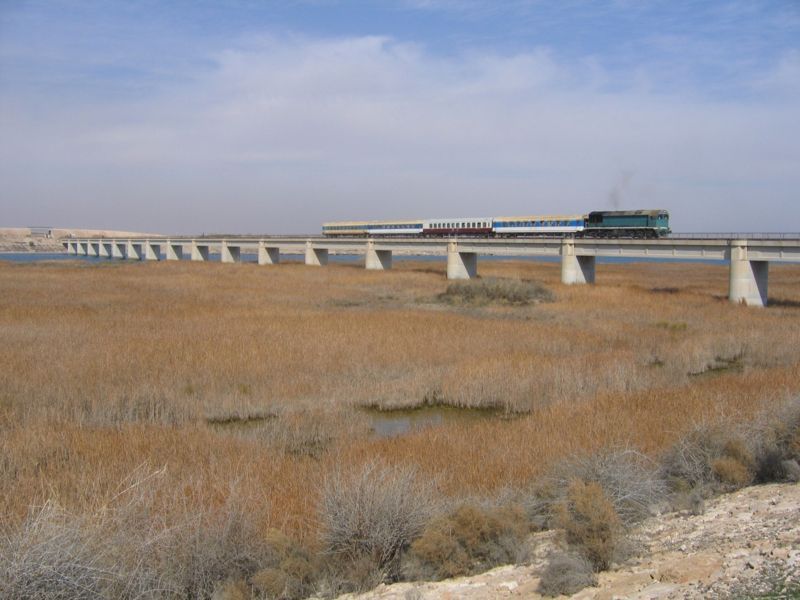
x=23, y=239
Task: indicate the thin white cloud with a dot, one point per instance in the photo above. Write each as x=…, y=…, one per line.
x=281, y=133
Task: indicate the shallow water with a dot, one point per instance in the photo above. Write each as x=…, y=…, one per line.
x=391, y=423
x=30, y=257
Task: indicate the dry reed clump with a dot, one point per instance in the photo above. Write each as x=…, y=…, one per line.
x=310, y=432
x=590, y=522
x=369, y=517
x=469, y=540
x=496, y=291
x=125, y=549
x=566, y=574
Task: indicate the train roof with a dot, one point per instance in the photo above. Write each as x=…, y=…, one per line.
x=643, y=212
x=353, y=223
x=540, y=218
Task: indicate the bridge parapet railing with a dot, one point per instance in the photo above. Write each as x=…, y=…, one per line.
x=735, y=236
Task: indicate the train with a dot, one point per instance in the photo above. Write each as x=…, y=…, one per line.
x=640, y=224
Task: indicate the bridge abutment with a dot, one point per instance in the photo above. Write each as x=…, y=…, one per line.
x=268, y=255
x=377, y=260
x=199, y=251
x=316, y=257
x=461, y=265
x=575, y=269
x=749, y=279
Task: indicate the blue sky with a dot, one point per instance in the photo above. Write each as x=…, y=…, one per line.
x=248, y=116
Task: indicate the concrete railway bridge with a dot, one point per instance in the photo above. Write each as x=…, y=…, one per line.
x=748, y=258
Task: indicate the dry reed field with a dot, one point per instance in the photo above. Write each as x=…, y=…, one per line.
x=138, y=397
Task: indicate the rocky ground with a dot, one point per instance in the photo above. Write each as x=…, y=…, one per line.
x=745, y=544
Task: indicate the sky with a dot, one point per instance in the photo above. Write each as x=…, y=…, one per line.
x=249, y=116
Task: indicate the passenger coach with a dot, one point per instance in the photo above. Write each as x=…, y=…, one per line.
x=608, y=223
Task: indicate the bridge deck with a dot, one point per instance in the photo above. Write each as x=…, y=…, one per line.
x=749, y=259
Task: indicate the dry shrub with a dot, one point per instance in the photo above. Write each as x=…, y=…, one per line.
x=629, y=479
x=369, y=517
x=469, y=540
x=288, y=573
x=211, y=547
x=591, y=524
x=496, y=291
x=233, y=590
x=566, y=574
x=791, y=470
x=717, y=456
x=778, y=442
x=731, y=472
x=55, y=555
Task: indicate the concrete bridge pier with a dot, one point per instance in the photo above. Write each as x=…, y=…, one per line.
x=574, y=268
x=378, y=260
x=268, y=255
x=748, y=278
x=461, y=265
x=104, y=250
x=133, y=250
x=71, y=248
x=92, y=249
x=173, y=251
x=199, y=251
x=117, y=249
x=316, y=257
x=230, y=254
x=151, y=251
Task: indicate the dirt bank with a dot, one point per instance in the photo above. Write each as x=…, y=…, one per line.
x=744, y=544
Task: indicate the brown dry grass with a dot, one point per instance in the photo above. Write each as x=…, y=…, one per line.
x=106, y=368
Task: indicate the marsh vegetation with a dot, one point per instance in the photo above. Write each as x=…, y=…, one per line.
x=174, y=429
